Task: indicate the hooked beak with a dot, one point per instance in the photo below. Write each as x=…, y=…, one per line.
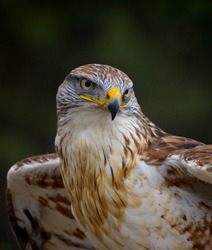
x=112, y=101
x=114, y=108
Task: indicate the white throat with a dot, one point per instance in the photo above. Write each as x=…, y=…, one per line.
x=91, y=134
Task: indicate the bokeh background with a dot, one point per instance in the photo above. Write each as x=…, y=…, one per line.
x=164, y=46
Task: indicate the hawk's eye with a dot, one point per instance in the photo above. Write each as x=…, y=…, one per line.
x=87, y=85
x=127, y=93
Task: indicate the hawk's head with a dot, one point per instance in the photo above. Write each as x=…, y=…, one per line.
x=96, y=87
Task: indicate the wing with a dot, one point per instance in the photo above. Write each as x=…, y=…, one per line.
x=198, y=162
x=38, y=208
x=180, y=169
x=189, y=156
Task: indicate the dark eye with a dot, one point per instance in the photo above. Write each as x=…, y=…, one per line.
x=87, y=85
x=127, y=93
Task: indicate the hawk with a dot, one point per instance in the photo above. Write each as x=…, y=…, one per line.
x=117, y=181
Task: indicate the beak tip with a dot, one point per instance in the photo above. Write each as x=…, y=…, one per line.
x=114, y=108
x=113, y=117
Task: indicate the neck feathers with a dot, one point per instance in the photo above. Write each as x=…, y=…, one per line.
x=98, y=157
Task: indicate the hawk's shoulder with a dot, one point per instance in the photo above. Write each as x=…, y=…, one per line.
x=190, y=156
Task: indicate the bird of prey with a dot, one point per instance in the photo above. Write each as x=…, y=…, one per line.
x=117, y=181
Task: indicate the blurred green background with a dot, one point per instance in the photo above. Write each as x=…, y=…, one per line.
x=164, y=46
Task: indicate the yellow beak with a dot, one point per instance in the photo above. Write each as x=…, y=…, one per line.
x=114, y=92
x=112, y=101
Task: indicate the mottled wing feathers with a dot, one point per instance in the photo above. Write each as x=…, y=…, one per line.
x=198, y=162
x=191, y=156
x=38, y=208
